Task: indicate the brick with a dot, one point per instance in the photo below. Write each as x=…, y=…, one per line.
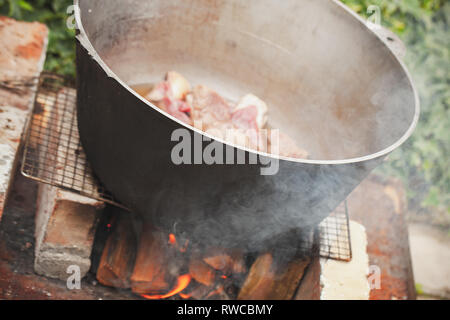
x=22, y=55
x=7, y=155
x=348, y=280
x=380, y=206
x=65, y=228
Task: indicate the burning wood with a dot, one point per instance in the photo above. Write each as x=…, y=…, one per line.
x=266, y=281
x=161, y=268
x=182, y=282
x=218, y=294
x=197, y=292
x=288, y=280
x=310, y=287
x=259, y=280
x=117, y=261
x=149, y=275
x=202, y=272
x=227, y=262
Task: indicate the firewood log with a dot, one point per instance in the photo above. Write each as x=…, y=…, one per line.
x=225, y=260
x=217, y=294
x=268, y=281
x=119, y=253
x=310, y=287
x=197, y=292
x=201, y=272
x=150, y=270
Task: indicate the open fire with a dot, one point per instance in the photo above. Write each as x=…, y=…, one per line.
x=158, y=265
x=182, y=283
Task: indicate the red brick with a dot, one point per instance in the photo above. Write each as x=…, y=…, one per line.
x=65, y=227
x=22, y=55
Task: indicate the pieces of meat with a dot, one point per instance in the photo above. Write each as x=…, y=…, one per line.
x=159, y=92
x=246, y=118
x=209, y=110
x=206, y=110
x=179, y=85
x=174, y=86
x=176, y=108
x=250, y=113
x=169, y=95
x=240, y=125
x=249, y=118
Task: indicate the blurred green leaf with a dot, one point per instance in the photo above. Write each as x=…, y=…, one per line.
x=423, y=162
x=25, y=5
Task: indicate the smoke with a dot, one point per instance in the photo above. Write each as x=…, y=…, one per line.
x=237, y=207
x=338, y=103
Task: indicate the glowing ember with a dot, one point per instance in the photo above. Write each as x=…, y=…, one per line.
x=182, y=282
x=108, y=225
x=224, y=277
x=172, y=239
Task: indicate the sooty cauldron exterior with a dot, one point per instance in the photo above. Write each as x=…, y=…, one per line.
x=330, y=83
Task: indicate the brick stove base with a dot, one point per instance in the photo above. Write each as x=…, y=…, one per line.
x=19, y=281
x=65, y=228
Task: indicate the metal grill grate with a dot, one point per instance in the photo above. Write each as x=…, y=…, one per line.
x=53, y=155
x=334, y=235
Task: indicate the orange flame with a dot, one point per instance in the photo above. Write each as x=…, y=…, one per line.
x=184, y=296
x=182, y=283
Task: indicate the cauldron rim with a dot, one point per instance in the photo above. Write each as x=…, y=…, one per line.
x=86, y=43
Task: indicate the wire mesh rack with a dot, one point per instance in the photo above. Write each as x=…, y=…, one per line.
x=333, y=235
x=330, y=239
x=53, y=152
x=53, y=155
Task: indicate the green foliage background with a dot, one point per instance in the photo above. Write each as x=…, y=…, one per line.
x=423, y=163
